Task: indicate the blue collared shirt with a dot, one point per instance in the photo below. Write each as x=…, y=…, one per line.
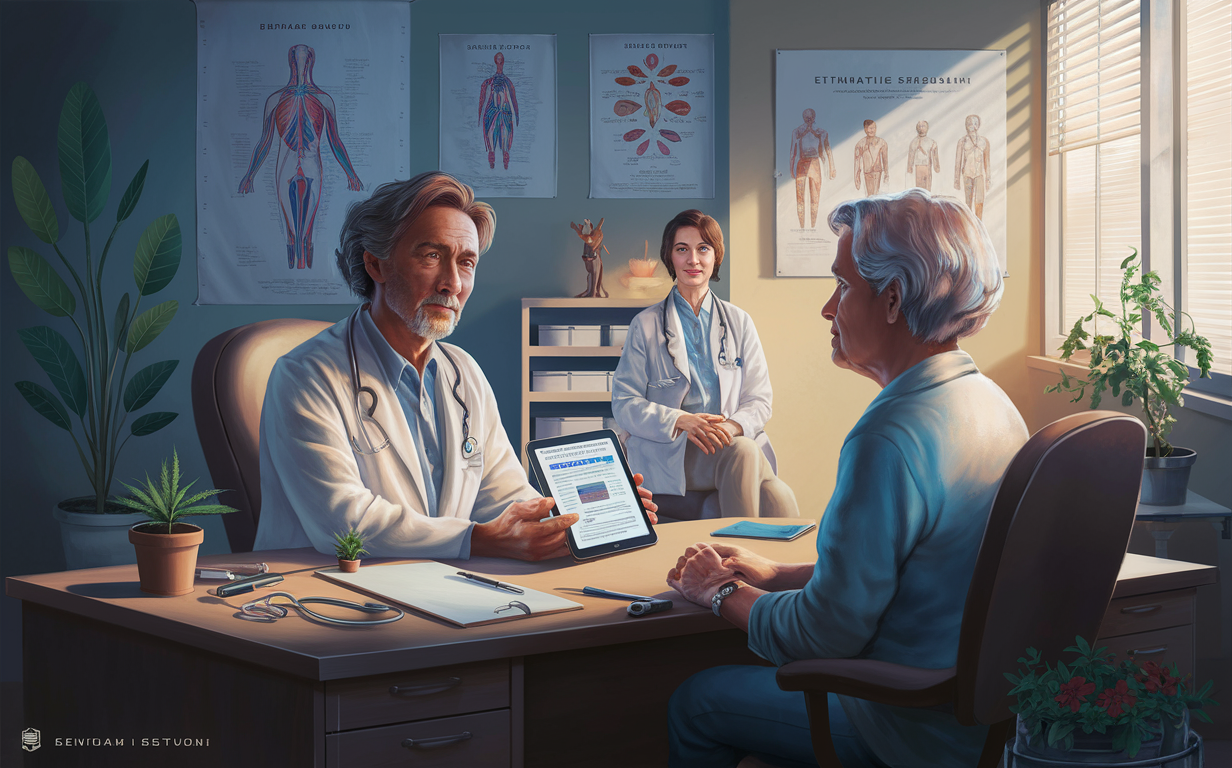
x=419, y=402
x=703, y=395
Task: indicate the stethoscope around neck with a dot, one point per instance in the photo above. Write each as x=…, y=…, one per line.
x=738, y=362
x=364, y=417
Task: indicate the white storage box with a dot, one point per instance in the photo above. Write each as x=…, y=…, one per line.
x=616, y=335
x=571, y=381
x=556, y=426
x=569, y=335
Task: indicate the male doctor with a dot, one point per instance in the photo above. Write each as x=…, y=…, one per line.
x=375, y=425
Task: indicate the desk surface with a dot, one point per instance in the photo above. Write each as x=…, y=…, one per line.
x=1196, y=507
x=300, y=647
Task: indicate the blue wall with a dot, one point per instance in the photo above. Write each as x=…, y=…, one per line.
x=139, y=57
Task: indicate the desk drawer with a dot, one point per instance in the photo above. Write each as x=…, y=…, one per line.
x=1163, y=646
x=1142, y=613
x=468, y=741
x=404, y=696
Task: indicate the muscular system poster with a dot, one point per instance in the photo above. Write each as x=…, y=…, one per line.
x=498, y=113
x=652, y=116
x=301, y=110
x=850, y=124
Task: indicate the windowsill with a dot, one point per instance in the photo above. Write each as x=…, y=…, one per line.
x=1211, y=405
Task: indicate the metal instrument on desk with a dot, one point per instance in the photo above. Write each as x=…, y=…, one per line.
x=231, y=571
x=641, y=605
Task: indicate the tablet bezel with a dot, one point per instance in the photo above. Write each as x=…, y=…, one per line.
x=599, y=550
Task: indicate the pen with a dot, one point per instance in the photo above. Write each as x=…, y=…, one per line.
x=596, y=592
x=492, y=583
x=246, y=585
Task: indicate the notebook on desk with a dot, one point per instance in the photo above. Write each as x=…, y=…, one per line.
x=437, y=590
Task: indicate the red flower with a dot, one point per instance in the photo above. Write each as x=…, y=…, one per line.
x=1074, y=693
x=1116, y=700
x=1157, y=678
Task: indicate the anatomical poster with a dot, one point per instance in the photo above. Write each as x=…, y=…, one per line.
x=652, y=116
x=853, y=124
x=498, y=113
x=301, y=111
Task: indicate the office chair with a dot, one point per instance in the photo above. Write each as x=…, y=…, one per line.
x=228, y=389
x=1045, y=572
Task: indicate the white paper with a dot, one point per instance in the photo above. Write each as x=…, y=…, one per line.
x=498, y=113
x=652, y=116
x=896, y=90
x=301, y=111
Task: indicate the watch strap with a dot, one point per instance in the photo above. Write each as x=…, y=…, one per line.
x=716, y=602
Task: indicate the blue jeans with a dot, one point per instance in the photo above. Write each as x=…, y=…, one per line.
x=722, y=714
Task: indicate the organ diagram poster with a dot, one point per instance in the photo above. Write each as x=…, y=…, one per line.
x=498, y=113
x=301, y=111
x=851, y=124
x=652, y=116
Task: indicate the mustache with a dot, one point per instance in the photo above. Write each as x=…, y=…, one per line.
x=445, y=301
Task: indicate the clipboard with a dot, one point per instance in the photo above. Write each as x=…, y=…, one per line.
x=437, y=590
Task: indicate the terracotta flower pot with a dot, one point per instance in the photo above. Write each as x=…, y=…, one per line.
x=348, y=566
x=166, y=562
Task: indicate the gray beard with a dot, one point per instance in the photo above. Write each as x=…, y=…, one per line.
x=423, y=326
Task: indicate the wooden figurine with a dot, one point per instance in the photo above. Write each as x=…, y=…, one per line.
x=592, y=245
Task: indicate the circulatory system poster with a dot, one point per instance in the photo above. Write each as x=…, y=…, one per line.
x=652, y=116
x=851, y=124
x=498, y=113
x=301, y=111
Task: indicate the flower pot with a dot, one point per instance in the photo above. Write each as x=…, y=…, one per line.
x=166, y=562
x=1173, y=746
x=92, y=540
x=1165, y=480
x=348, y=566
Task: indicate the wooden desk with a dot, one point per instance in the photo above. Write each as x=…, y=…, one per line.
x=104, y=661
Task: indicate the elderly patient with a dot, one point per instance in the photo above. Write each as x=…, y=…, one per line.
x=897, y=543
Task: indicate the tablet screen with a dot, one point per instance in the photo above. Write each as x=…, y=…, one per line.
x=588, y=477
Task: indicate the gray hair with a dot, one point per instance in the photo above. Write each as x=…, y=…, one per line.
x=935, y=249
x=377, y=224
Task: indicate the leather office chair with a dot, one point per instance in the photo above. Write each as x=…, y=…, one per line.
x=228, y=389
x=1045, y=572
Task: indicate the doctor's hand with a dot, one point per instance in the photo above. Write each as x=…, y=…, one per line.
x=699, y=573
x=704, y=431
x=517, y=532
x=647, y=499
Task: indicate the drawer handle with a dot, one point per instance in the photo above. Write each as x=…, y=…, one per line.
x=437, y=741
x=1148, y=651
x=1142, y=609
x=424, y=690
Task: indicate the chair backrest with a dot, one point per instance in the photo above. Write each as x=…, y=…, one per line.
x=228, y=388
x=1051, y=552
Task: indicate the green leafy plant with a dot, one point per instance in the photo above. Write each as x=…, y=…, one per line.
x=1136, y=370
x=349, y=546
x=1095, y=694
x=165, y=503
x=94, y=387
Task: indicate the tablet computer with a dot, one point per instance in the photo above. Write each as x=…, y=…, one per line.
x=587, y=474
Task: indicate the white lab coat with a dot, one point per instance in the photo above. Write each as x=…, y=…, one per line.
x=314, y=484
x=649, y=387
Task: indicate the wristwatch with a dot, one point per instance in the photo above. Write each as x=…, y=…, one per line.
x=716, y=602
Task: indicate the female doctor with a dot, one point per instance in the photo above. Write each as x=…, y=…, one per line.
x=692, y=389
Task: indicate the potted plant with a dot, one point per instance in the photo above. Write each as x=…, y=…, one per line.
x=349, y=548
x=166, y=547
x=1135, y=368
x=95, y=385
x=1096, y=709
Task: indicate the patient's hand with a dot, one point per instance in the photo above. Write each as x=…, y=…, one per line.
x=750, y=567
x=699, y=573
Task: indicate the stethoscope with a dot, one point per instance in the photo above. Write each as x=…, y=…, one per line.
x=265, y=610
x=722, y=357
x=363, y=415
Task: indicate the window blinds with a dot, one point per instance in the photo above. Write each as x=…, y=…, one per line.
x=1094, y=65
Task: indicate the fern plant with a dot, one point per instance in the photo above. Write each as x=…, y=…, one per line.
x=349, y=546
x=164, y=502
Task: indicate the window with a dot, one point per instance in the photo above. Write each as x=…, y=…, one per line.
x=1139, y=102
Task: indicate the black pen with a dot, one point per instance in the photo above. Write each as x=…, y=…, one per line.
x=492, y=583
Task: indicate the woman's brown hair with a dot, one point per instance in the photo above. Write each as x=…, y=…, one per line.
x=710, y=231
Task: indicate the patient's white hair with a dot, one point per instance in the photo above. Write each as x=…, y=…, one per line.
x=937, y=251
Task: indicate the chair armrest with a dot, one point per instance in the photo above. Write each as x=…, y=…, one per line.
x=869, y=679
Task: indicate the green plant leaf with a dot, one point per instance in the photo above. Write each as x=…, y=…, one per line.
x=131, y=195
x=120, y=326
x=41, y=284
x=53, y=354
x=208, y=509
x=158, y=255
x=152, y=422
x=149, y=324
x=41, y=400
x=85, y=154
x=33, y=203
x=145, y=384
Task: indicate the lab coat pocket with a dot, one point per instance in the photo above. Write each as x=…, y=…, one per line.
x=664, y=383
x=475, y=462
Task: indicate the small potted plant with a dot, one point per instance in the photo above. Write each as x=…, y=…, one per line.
x=1098, y=709
x=1135, y=368
x=166, y=547
x=349, y=547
